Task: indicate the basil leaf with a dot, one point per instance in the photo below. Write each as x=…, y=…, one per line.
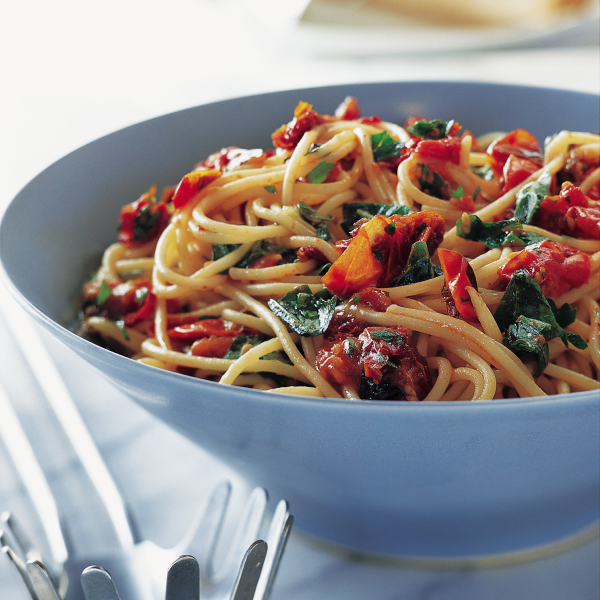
x=221, y=250
x=320, y=223
x=524, y=298
x=418, y=266
x=240, y=341
x=388, y=336
x=384, y=390
x=385, y=146
x=320, y=172
x=271, y=189
x=431, y=130
x=565, y=315
x=431, y=182
x=306, y=313
x=530, y=197
x=354, y=211
x=144, y=222
x=528, y=337
x=256, y=251
x=502, y=233
x=458, y=193
x=485, y=172
x=235, y=350
x=103, y=293
x=120, y=323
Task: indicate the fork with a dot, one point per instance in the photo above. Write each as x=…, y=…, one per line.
x=139, y=566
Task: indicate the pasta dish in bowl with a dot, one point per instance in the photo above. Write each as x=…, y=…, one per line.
x=385, y=309
x=357, y=257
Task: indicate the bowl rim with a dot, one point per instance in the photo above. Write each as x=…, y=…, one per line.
x=85, y=347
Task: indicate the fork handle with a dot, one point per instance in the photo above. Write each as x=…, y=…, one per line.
x=55, y=390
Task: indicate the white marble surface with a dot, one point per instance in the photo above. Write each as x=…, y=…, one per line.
x=73, y=71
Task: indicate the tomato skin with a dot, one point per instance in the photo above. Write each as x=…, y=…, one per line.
x=456, y=274
x=519, y=143
x=204, y=328
x=516, y=170
x=214, y=346
x=446, y=149
x=555, y=267
x=191, y=184
x=348, y=110
x=133, y=301
x=305, y=118
x=374, y=257
x=571, y=212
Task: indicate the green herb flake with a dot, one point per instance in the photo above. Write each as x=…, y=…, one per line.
x=387, y=336
x=355, y=299
x=320, y=173
x=390, y=229
x=476, y=193
x=501, y=233
x=418, y=266
x=320, y=223
x=305, y=313
x=140, y=294
x=103, y=293
x=271, y=189
x=385, y=146
x=530, y=196
x=350, y=347
x=431, y=130
x=121, y=325
x=458, y=193
x=144, y=222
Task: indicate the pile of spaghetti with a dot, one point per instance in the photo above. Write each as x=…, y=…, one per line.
x=365, y=260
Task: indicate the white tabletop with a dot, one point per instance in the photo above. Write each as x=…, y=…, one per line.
x=71, y=72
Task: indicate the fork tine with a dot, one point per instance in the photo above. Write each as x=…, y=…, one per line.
x=183, y=579
x=30, y=551
x=206, y=526
x=42, y=582
x=20, y=566
x=250, y=570
x=98, y=584
x=245, y=535
x=277, y=537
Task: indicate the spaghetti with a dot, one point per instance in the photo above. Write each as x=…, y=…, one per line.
x=363, y=260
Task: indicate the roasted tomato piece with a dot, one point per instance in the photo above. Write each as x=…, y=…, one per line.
x=555, y=267
x=204, y=328
x=380, y=362
x=516, y=170
x=571, y=213
x=458, y=275
x=446, y=149
x=378, y=252
x=191, y=184
x=232, y=157
x=375, y=299
x=305, y=118
x=214, y=346
x=348, y=110
x=518, y=143
x=143, y=220
x=133, y=301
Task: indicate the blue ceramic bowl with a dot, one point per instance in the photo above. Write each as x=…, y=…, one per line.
x=415, y=479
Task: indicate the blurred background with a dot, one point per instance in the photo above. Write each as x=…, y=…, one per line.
x=72, y=71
